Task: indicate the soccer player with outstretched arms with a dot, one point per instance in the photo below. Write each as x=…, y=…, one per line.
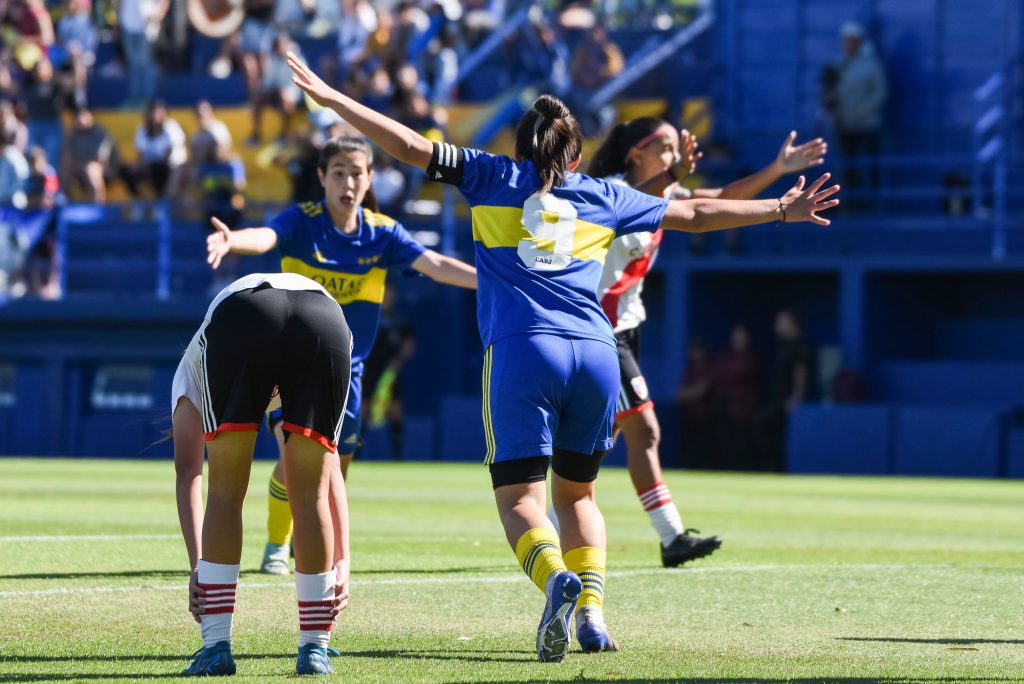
x=551, y=376
x=345, y=245
x=645, y=154
x=264, y=336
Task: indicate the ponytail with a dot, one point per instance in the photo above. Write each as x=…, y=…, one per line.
x=610, y=158
x=549, y=136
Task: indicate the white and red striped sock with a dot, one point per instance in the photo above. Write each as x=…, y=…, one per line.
x=657, y=501
x=217, y=584
x=315, y=594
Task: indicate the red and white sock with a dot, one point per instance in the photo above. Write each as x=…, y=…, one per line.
x=217, y=584
x=315, y=594
x=657, y=501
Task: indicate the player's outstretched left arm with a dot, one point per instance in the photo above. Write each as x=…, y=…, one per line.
x=799, y=204
x=790, y=159
x=445, y=269
x=401, y=142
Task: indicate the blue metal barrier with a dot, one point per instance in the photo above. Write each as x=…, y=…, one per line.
x=991, y=150
x=492, y=42
x=650, y=58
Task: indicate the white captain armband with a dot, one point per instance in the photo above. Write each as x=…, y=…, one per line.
x=447, y=164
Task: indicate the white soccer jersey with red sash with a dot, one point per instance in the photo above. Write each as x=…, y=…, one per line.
x=628, y=262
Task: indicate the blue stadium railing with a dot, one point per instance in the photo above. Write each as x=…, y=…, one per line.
x=993, y=144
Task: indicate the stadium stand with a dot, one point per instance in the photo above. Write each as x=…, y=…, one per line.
x=920, y=293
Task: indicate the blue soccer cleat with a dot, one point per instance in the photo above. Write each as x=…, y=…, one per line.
x=315, y=659
x=553, y=633
x=591, y=631
x=212, y=661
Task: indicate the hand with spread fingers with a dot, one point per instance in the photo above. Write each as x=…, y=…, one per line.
x=793, y=158
x=800, y=204
x=688, y=155
x=309, y=82
x=218, y=243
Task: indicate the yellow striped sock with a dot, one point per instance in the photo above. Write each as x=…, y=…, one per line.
x=538, y=553
x=279, y=514
x=588, y=562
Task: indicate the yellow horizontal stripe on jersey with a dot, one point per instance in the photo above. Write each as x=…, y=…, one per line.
x=344, y=287
x=499, y=226
x=503, y=227
x=591, y=241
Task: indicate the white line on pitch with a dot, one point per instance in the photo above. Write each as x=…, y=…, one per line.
x=129, y=537
x=84, y=537
x=503, y=579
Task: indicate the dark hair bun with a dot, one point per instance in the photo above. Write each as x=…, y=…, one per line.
x=551, y=107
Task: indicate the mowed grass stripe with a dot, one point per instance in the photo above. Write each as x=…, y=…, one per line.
x=819, y=580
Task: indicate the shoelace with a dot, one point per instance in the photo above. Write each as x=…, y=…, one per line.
x=688, y=530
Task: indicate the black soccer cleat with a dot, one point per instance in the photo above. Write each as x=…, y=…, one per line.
x=687, y=547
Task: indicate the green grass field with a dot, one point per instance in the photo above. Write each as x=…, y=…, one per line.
x=819, y=580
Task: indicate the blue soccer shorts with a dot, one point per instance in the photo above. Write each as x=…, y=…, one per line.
x=544, y=392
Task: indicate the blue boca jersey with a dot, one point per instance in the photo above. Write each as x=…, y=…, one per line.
x=352, y=268
x=539, y=258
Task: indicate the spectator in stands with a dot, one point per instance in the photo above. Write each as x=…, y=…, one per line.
x=14, y=171
x=548, y=64
x=43, y=184
x=737, y=382
x=254, y=46
x=9, y=122
x=791, y=383
x=292, y=16
x=140, y=27
x=276, y=88
x=388, y=184
x=211, y=134
x=697, y=400
x=90, y=157
x=359, y=22
x=410, y=22
x=379, y=92
x=441, y=67
x=298, y=156
x=222, y=184
x=33, y=28
x=40, y=273
x=44, y=102
x=8, y=86
x=860, y=95
x=596, y=60
x=160, y=143
x=78, y=39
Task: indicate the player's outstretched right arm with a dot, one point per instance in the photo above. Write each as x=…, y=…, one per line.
x=401, y=142
x=246, y=241
x=799, y=204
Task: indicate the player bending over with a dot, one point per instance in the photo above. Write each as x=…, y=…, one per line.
x=550, y=376
x=264, y=334
x=645, y=154
x=344, y=244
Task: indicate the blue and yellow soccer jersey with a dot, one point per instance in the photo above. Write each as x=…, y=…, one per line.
x=539, y=258
x=352, y=268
